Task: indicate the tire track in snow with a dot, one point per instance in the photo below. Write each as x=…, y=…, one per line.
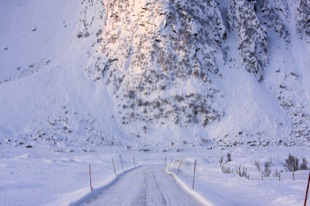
x=145, y=186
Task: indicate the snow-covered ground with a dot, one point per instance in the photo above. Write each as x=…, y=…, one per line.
x=38, y=177
x=58, y=115
x=145, y=185
x=231, y=189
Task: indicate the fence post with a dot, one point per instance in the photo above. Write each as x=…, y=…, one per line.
x=279, y=176
x=193, y=186
x=134, y=162
x=179, y=167
x=122, y=162
x=307, y=190
x=114, y=167
x=165, y=159
x=90, y=183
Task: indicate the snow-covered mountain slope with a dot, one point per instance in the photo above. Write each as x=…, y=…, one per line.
x=45, y=92
x=174, y=73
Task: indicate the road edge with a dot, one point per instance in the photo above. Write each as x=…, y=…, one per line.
x=196, y=195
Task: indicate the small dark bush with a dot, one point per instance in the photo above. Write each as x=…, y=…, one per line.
x=304, y=164
x=267, y=168
x=228, y=157
x=80, y=35
x=291, y=163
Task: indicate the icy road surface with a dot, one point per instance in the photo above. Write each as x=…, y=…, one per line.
x=146, y=185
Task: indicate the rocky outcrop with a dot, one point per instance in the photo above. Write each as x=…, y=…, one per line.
x=252, y=35
x=271, y=13
x=151, y=49
x=303, y=20
x=160, y=59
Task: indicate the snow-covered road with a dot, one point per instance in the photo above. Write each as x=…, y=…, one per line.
x=146, y=185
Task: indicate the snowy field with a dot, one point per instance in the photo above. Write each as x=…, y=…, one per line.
x=37, y=177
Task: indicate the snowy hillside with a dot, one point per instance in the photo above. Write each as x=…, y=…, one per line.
x=166, y=73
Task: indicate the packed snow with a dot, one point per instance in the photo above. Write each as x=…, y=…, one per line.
x=38, y=177
x=146, y=185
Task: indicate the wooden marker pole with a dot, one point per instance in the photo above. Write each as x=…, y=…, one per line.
x=114, y=167
x=122, y=163
x=90, y=183
x=193, y=186
x=307, y=190
x=179, y=167
x=134, y=162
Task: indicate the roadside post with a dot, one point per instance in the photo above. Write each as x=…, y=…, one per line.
x=179, y=167
x=193, y=186
x=122, y=162
x=114, y=167
x=90, y=183
x=307, y=190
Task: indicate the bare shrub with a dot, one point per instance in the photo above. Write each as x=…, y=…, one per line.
x=291, y=163
x=242, y=172
x=304, y=164
x=226, y=169
x=258, y=165
x=221, y=161
x=277, y=174
x=267, y=168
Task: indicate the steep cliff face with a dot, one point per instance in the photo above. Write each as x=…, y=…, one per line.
x=155, y=56
x=252, y=36
x=164, y=61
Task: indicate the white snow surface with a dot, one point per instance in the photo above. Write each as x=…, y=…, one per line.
x=37, y=177
x=57, y=117
x=145, y=185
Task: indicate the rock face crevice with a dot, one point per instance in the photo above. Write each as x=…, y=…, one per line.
x=252, y=36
